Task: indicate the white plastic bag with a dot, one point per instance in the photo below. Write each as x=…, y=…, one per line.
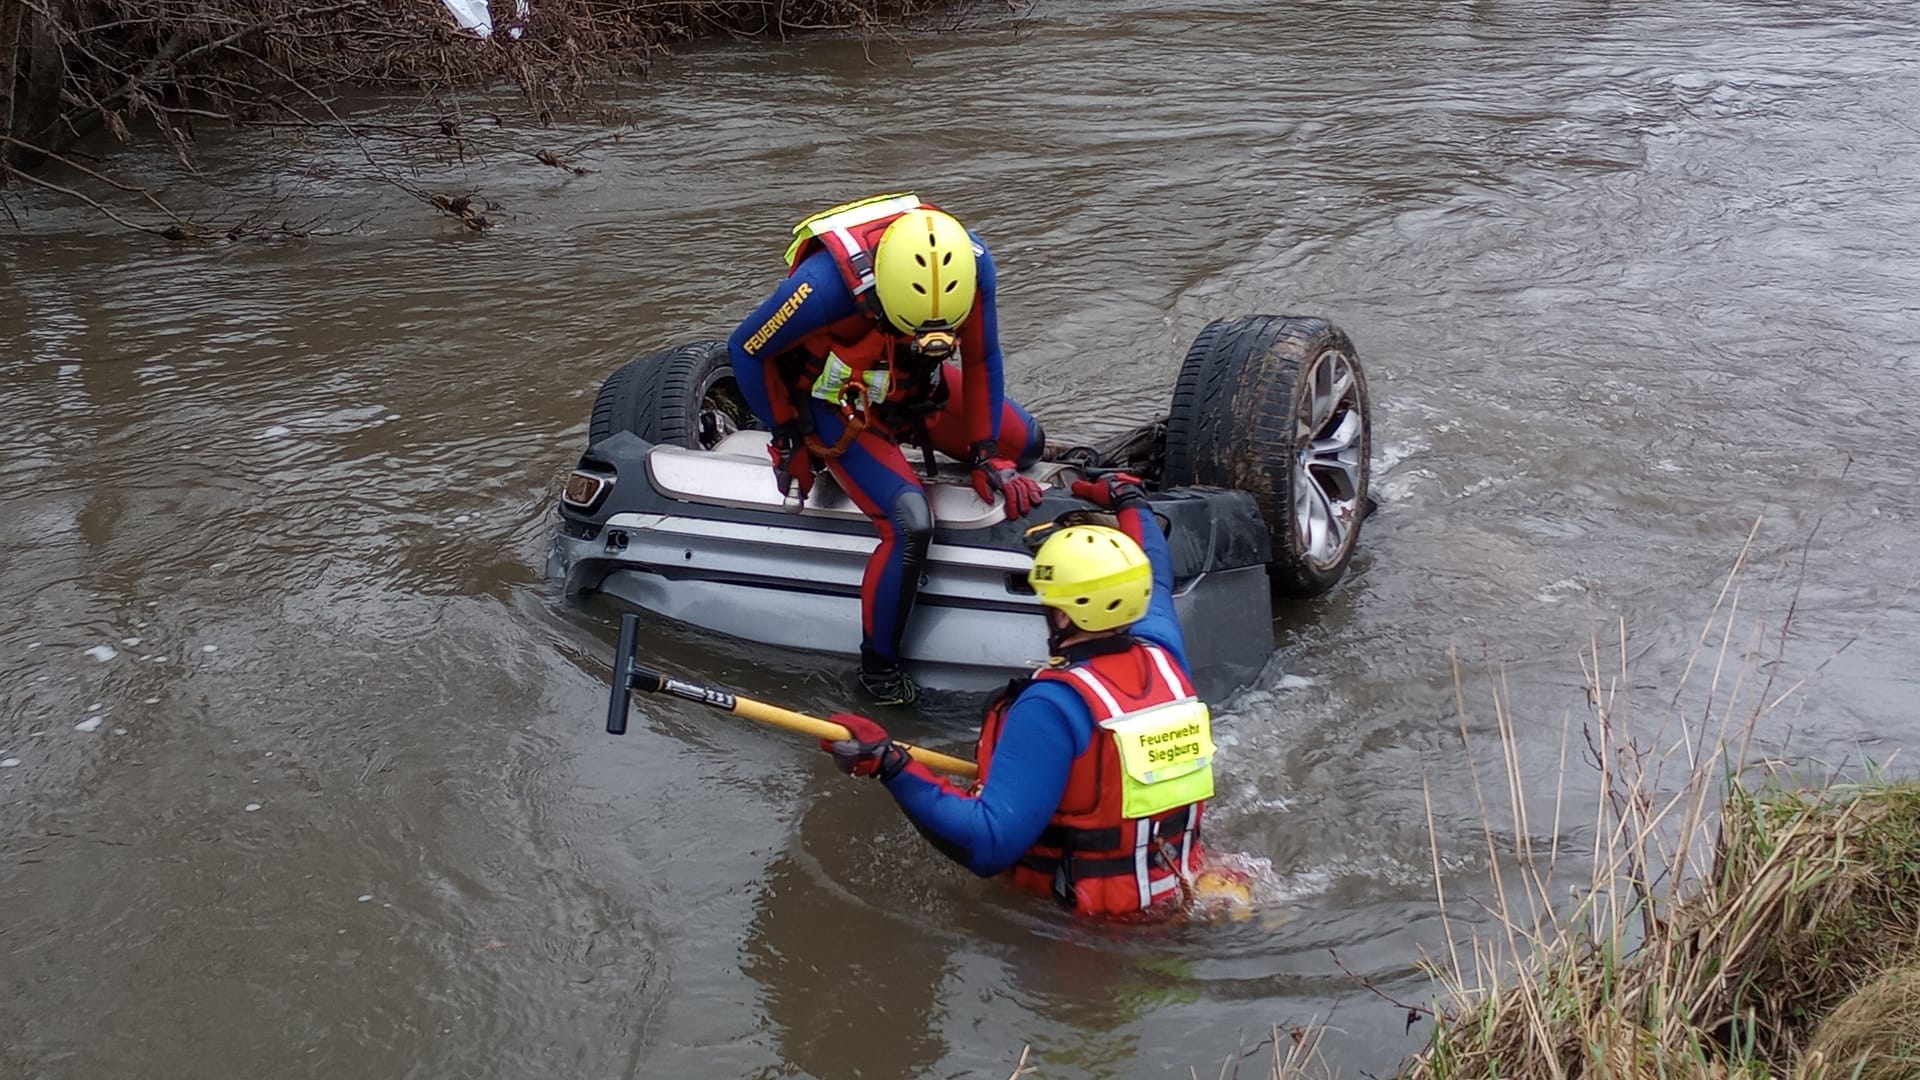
x=473, y=15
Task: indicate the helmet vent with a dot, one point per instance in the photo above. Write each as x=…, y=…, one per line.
x=1100, y=587
x=921, y=286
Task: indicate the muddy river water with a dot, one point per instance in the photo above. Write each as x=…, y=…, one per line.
x=301, y=765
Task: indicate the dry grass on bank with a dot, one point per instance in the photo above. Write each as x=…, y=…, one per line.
x=1787, y=959
x=1740, y=919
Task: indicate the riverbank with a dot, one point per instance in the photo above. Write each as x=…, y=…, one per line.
x=1794, y=956
x=1741, y=918
x=160, y=69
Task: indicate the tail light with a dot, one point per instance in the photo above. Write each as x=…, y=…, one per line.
x=585, y=491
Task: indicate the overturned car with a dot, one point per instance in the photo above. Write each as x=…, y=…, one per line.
x=1258, y=473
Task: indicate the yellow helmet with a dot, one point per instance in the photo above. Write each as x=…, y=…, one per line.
x=1097, y=575
x=924, y=271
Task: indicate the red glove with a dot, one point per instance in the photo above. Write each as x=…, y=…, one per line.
x=870, y=751
x=792, y=461
x=1114, y=491
x=996, y=475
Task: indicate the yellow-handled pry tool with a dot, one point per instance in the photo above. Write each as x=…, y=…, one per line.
x=628, y=677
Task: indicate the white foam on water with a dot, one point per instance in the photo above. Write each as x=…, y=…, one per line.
x=252, y=806
x=1556, y=591
x=1404, y=487
x=277, y=431
x=119, y=731
x=152, y=701
x=157, y=659
x=103, y=653
x=1300, y=886
x=90, y=724
x=9, y=763
x=1391, y=454
x=33, y=646
x=209, y=648
x=364, y=897
x=95, y=707
x=459, y=519
x=1265, y=887
x=129, y=642
x=392, y=417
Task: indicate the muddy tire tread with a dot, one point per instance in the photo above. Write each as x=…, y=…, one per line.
x=1231, y=425
x=656, y=396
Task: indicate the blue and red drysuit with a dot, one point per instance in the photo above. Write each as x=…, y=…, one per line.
x=768, y=352
x=1044, y=730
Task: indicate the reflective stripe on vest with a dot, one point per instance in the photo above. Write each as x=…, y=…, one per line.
x=1191, y=778
x=831, y=384
x=837, y=224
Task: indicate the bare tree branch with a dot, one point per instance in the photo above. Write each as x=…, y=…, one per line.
x=156, y=67
x=49, y=185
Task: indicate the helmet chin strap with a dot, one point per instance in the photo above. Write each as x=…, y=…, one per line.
x=936, y=343
x=1062, y=632
x=1057, y=635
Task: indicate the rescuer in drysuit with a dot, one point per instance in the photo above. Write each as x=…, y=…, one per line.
x=1094, y=772
x=884, y=333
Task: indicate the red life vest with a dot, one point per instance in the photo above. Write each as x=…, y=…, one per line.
x=1092, y=857
x=864, y=341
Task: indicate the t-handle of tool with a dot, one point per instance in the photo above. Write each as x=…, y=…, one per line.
x=622, y=694
x=628, y=677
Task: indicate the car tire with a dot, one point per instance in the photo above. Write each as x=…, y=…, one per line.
x=1277, y=406
x=682, y=396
